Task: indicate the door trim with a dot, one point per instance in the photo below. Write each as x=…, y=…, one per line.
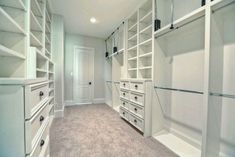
x=92, y=70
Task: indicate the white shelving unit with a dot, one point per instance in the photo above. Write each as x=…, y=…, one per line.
x=13, y=39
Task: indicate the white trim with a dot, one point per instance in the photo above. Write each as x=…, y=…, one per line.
x=59, y=113
x=93, y=68
x=99, y=101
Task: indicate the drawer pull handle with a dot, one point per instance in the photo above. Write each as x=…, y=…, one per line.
x=135, y=109
x=42, y=118
x=135, y=121
x=136, y=86
x=136, y=98
x=124, y=94
x=42, y=143
x=124, y=84
x=123, y=113
x=41, y=94
x=124, y=103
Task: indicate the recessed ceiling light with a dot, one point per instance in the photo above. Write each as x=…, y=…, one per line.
x=93, y=20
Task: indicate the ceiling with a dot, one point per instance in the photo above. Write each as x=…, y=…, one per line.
x=109, y=14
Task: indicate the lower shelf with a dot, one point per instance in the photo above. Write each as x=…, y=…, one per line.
x=177, y=145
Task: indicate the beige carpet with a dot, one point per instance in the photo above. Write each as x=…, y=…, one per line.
x=98, y=131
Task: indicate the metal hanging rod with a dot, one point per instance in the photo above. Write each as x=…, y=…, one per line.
x=115, y=30
x=224, y=6
x=116, y=82
x=179, y=90
x=222, y=95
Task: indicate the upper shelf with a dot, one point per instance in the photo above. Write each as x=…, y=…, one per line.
x=36, y=8
x=35, y=24
x=6, y=52
x=217, y=4
x=8, y=24
x=196, y=14
x=13, y=3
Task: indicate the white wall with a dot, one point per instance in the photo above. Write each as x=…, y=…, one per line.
x=58, y=58
x=84, y=41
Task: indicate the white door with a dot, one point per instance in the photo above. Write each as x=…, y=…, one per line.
x=83, y=75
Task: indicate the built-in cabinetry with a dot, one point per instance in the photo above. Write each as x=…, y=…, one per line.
x=26, y=77
x=24, y=118
x=135, y=101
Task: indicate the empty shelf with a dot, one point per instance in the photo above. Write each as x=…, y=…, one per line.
x=34, y=41
x=146, y=42
x=6, y=52
x=182, y=21
x=8, y=24
x=34, y=23
x=146, y=55
x=132, y=59
x=145, y=68
x=147, y=17
x=36, y=8
x=147, y=30
x=13, y=3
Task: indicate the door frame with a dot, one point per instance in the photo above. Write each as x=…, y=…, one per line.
x=92, y=72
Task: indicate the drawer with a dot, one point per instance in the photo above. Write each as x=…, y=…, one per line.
x=137, y=86
x=124, y=114
x=137, y=98
x=35, y=96
x=34, y=126
x=137, y=122
x=42, y=144
x=137, y=110
x=124, y=94
x=124, y=104
x=124, y=85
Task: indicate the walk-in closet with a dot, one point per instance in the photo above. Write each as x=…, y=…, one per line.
x=123, y=78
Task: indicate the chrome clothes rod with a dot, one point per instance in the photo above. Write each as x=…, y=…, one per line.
x=222, y=95
x=179, y=90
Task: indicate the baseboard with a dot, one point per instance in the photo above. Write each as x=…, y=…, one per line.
x=99, y=101
x=59, y=113
x=96, y=101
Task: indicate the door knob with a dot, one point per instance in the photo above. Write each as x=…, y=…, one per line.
x=90, y=83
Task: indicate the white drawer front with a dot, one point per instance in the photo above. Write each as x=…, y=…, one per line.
x=137, y=110
x=124, y=104
x=137, y=98
x=124, y=85
x=35, y=97
x=42, y=144
x=34, y=127
x=137, y=86
x=137, y=122
x=124, y=114
x=124, y=94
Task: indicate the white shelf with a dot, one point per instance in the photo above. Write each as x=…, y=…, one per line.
x=132, y=69
x=40, y=55
x=132, y=48
x=133, y=38
x=34, y=23
x=41, y=70
x=6, y=52
x=177, y=145
x=51, y=72
x=48, y=16
x=196, y=14
x=132, y=59
x=145, y=68
x=13, y=3
x=145, y=55
x=132, y=27
x=146, y=42
x=47, y=52
x=48, y=29
x=8, y=24
x=47, y=40
x=35, y=7
x=148, y=16
x=146, y=29
x=121, y=51
x=216, y=4
x=34, y=41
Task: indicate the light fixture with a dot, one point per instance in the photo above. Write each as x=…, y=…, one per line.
x=93, y=20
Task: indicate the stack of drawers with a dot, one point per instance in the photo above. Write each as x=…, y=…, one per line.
x=135, y=107
x=25, y=119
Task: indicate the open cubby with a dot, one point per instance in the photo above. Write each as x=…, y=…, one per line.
x=145, y=47
x=179, y=72
x=132, y=21
x=221, y=131
x=145, y=9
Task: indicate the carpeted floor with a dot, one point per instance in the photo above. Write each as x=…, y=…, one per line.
x=98, y=131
